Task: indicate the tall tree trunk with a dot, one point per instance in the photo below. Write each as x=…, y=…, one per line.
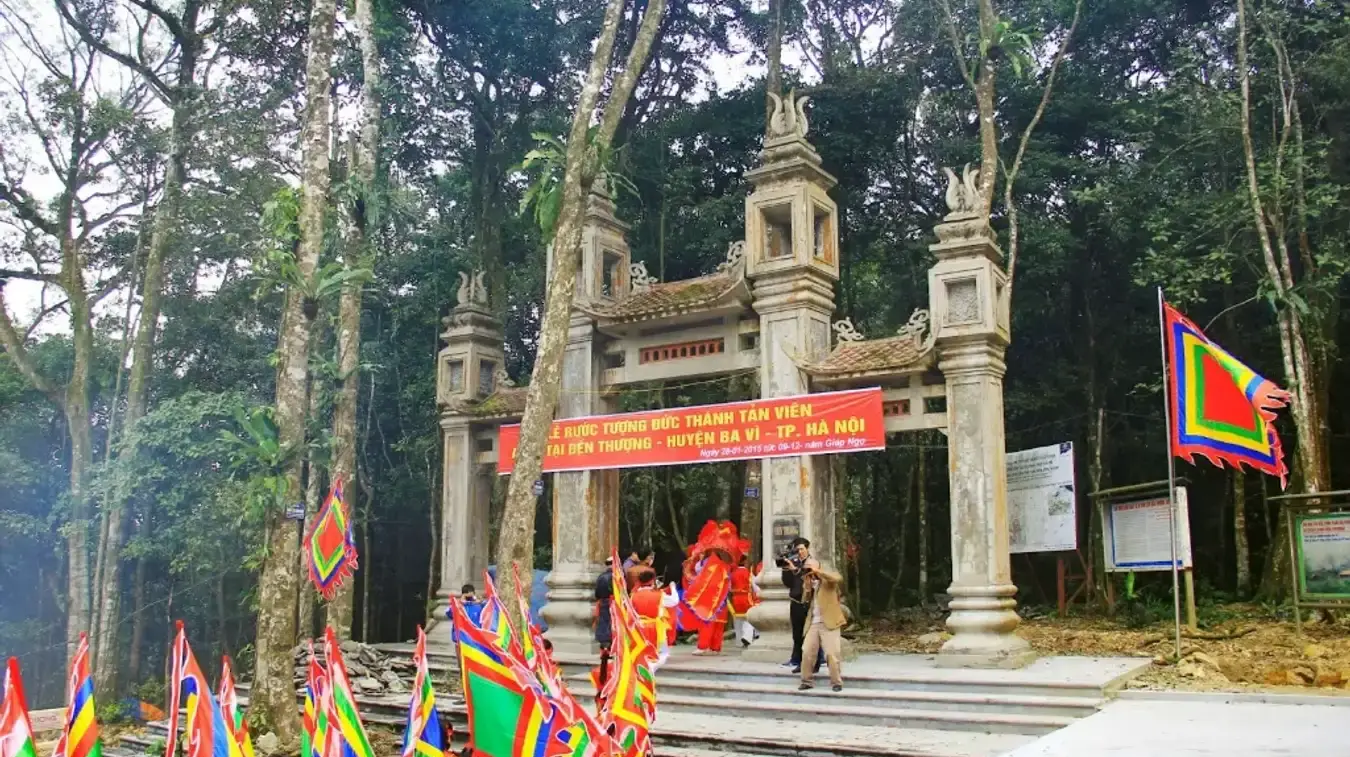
x=305, y=598
x=137, y=621
x=1242, y=555
x=183, y=98
x=517, y=531
x=273, y=694
x=356, y=253
x=1310, y=457
x=79, y=610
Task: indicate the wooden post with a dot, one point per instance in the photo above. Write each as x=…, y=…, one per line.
x=1191, y=621
x=1061, y=589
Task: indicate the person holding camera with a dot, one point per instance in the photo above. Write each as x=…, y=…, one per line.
x=792, y=563
x=820, y=594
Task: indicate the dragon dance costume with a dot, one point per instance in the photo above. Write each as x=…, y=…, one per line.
x=707, y=581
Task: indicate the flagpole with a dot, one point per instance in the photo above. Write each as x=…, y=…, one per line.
x=1171, y=476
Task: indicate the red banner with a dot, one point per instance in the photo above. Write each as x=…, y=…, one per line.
x=811, y=424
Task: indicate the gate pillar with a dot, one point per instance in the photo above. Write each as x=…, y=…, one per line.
x=792, y=260
x=968, y=290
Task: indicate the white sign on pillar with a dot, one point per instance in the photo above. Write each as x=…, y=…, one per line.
x=1042, y=512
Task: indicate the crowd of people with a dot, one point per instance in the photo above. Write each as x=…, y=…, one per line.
x=716, y=585
x=712, y=585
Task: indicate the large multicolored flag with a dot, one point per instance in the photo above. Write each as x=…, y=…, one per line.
x=314, y=718
x=80, y=736
x=533, y=651
x=346, y=723
x=207, y=733
x=231, y=711
x=509, y=713
x=423, y=733
x=331, y=544
x=1222, y=410
x=16, y=731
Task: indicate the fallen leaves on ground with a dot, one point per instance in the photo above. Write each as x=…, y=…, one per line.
x=1246, y=651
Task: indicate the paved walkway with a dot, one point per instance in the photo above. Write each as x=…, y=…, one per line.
x=1182, y=725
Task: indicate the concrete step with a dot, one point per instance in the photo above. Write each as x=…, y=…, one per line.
x=731, y=669
x=734, y=694
x=811, y=728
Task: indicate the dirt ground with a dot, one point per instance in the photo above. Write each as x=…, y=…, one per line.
x=1243, y=650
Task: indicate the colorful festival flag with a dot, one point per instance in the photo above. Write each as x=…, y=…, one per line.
x=628, y=701
x=509, y=713
x=16, y=731
x=345, y=720
x=314, y=720
x=423, y=734
x=1222, y=410
x=80, y=736
x=331, y=545
x=231, y=711
x=207, y=734
x=494, y=620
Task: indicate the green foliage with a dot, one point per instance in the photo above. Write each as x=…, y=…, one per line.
x=548, y=162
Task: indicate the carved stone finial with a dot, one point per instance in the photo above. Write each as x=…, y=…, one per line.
x=465, y=293
x=789, y=116
x=917, y=326
x=735, y=260
x=963, y=194
x=639, y=278
x=503, y=378
x=478, y=292
x=846, y=332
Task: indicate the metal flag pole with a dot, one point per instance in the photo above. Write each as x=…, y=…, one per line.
x=1171, y=475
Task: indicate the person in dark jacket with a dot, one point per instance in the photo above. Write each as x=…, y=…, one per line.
x=604, y=622
x=792, y=579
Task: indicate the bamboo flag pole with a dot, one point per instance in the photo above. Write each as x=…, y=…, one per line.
x=1171, y=475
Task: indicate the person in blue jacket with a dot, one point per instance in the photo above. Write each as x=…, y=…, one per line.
x=473, y=607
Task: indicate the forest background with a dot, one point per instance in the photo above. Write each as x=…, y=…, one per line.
x=145, y=143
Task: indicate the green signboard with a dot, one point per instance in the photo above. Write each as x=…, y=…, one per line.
x=1323, y=545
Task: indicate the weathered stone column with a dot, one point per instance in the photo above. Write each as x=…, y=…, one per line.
x=466, y=496
x=791, y=236
x=466, y=375
x=585, y=508
x=969, y=294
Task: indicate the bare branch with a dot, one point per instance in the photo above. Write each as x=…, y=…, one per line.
x=9, y=338
x=10, y=273
x=81, y=28
x=1026, y=139
x=957, y=47
x=26, y=209
x=42, y=316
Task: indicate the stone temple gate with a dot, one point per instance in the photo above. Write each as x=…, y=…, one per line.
x=767, y=308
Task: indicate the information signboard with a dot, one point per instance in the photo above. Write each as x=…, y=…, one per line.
x=1042, y=512
x=1323, y=542
x=1138, y=535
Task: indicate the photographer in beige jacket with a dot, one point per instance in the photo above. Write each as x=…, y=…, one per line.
x=820, y=593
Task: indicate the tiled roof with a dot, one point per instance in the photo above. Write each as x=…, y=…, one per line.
x=506, y=402
x=672, y=298
x=873, y=355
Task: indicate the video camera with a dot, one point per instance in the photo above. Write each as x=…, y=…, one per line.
x=790, y=560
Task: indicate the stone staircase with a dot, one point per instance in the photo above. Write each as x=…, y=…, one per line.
x=891, y=706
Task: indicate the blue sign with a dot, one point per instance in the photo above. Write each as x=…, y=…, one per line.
x=296, y=511
x=539, y=488
x=752, y=492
